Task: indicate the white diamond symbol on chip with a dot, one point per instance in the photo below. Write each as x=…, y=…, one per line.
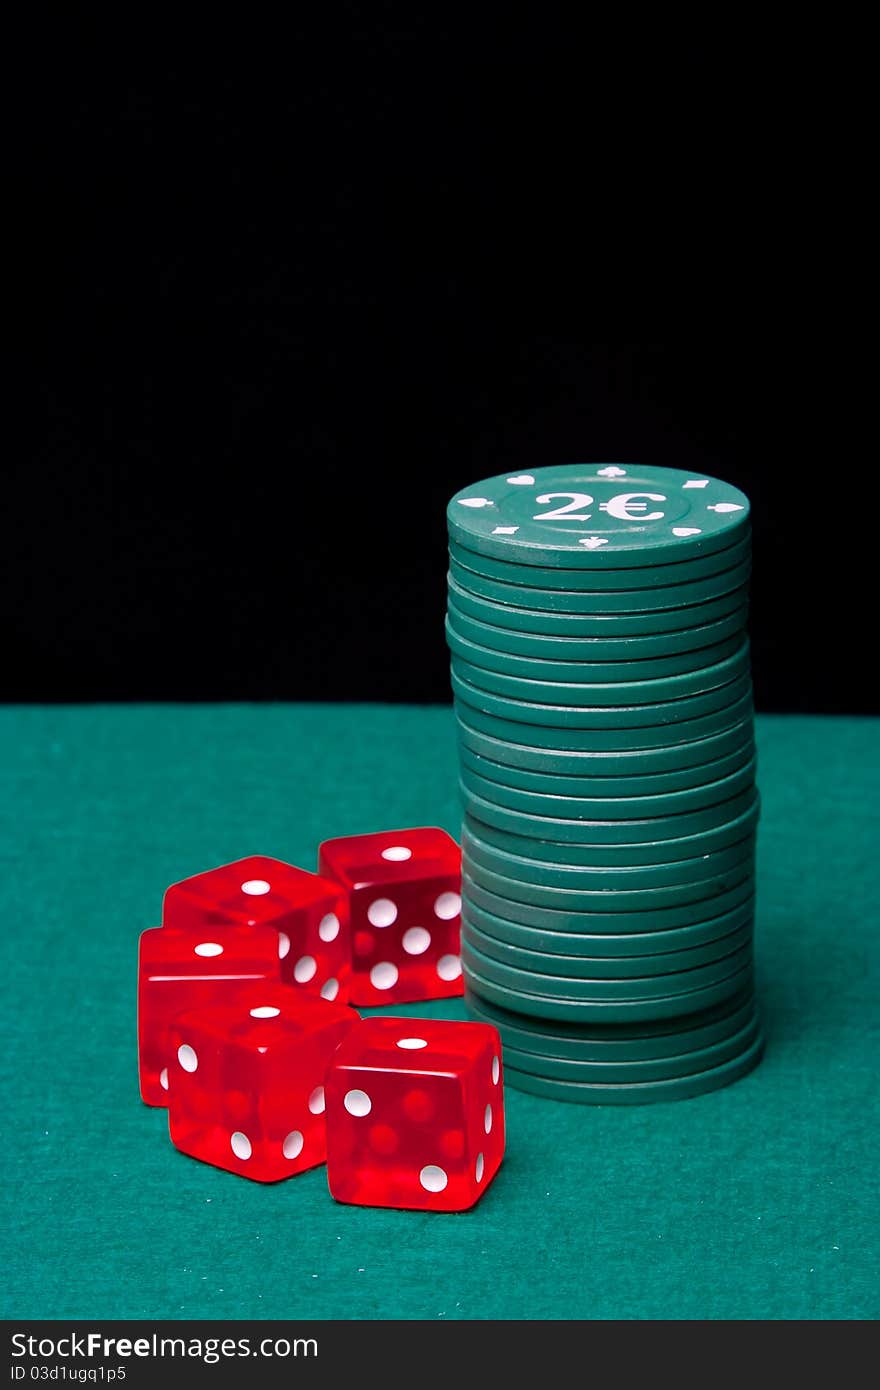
x=592, y=542
x=724, y=507
x=696, y=482
x=612, y=471
x=505, y=530
x=474, y=502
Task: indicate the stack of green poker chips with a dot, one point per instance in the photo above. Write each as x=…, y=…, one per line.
x=597, y=622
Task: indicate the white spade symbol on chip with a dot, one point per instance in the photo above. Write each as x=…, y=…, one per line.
x=724, y=507
x=474, y=502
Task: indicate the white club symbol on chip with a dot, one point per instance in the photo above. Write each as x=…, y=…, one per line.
x=592, y=542
x=612, y=471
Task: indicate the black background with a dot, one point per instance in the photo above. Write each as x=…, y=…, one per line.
x=287, y=291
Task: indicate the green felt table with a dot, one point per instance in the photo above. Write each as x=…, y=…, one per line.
x=759, y=1201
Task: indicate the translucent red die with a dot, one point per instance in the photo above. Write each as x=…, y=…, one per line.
x=404, y=889
x=182, y=969
x=415, y=1114
x=309, y=913
x=247, y=1081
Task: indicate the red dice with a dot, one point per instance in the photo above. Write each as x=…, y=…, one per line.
x=415, y=1114
x=180, y=969
x=404, y=890
x=309, y=913
x=246, y=1079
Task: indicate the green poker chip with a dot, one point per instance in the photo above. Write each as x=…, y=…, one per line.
x=605, y=918
x=598, y=516
x=603, y=967
x=607, y=805
x=634, y=670
x=620, y=739
x=538, y=870
x=648, y=695
x=617, y=693
x=647, y=576
x=625, y=1073
x=598, y=648
x=617, y=1042
x=550, y=716
x=612, y=844
x=607, y=891
x=608, y=1010
x=580, y=989
x=603, y=601
x=602, y=624
x=583, y=936
x=582, y=726
x=615, y=842
x=640, y=1092
x=654, y=861
x=680, y=760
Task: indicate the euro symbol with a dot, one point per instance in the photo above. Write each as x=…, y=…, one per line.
x=627, y=507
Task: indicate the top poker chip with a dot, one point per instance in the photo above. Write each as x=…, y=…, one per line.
x=598, y=516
